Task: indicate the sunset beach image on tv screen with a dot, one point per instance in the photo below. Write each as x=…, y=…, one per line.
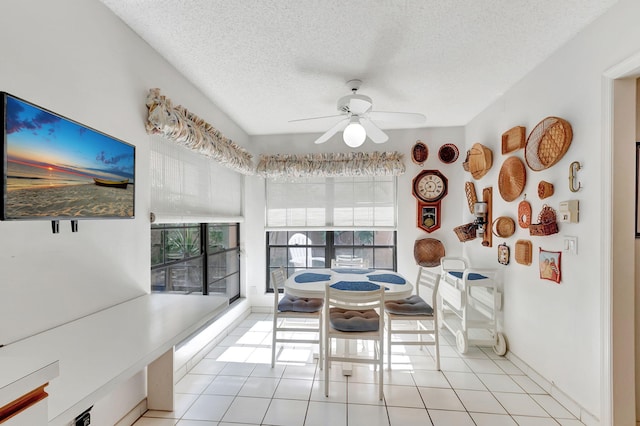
x=56, y=168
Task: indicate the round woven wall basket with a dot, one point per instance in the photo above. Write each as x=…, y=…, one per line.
x=448, y=153
x=512, y=178
x=504, y=227
x=547, y=143
x=428, y=252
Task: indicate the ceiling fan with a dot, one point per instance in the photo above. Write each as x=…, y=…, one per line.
x=359, y=120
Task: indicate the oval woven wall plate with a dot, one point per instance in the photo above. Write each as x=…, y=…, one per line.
x=512, y=178
x=547, y=143
x=419, y=153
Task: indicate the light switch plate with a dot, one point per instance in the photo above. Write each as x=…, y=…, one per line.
x=570, y=244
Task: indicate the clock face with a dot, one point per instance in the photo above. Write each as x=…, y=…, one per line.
x=430, y=186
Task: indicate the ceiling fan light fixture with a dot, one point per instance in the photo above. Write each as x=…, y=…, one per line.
x=354, y=134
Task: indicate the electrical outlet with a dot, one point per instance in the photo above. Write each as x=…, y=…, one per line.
x=83, y=419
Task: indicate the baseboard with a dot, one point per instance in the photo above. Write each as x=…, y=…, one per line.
x=193, y=351
x=132, y=416
x=564, y=399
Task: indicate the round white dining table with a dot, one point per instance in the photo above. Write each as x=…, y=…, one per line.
x=312, y=282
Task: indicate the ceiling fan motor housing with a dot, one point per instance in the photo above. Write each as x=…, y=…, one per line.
x=354, y=104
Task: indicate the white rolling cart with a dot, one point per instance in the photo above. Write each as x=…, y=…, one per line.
x=469, y=302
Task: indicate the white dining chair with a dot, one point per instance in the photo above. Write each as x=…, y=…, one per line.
x=419, y=309
x=352, y=316
x=293, y=315
x=349, y=262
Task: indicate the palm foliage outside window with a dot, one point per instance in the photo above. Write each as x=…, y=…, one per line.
x=201, y=258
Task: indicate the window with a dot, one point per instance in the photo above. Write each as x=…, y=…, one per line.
x=295, y=250
x=332, y=203
x=201, y=258
x=314, y=219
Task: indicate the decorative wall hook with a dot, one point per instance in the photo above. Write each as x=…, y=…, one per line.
x=573, y=170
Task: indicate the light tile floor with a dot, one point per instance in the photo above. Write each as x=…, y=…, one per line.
x=234, y=385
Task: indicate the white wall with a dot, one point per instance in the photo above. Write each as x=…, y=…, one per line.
x=399, y=140
x=556, y=329
x=77, y=59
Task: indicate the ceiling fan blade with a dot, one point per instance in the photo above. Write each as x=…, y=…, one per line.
x=339, y=126
x=373, y=131
x=316, y=118
x=403, y=118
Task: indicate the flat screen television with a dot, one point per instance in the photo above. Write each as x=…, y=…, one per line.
x=55, y=168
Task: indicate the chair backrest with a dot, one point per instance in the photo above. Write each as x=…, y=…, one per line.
x=278, y=277
x=351, y=299
x=300, y=256
x=342, y=261
x=454, y=263
x=428, y=282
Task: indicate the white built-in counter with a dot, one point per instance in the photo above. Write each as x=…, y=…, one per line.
x=23, y=397
x=96, y=353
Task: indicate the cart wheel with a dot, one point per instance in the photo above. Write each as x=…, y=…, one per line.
x=461, y=342
x=500, y=348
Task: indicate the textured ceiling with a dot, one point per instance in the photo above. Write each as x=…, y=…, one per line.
x=267, y=62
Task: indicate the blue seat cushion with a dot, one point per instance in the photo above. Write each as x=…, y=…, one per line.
x=354, y=320
x=299, y=304
x=413, y=305
x=472, y=276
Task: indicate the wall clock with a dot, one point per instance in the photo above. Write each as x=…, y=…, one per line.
x=430, y=186
x=428, y=216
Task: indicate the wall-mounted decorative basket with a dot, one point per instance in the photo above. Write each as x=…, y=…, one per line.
x=524, y=252
x=480, y=160
x=503, y=227
x=545, y=189
x=513, y=139
x=546, y=225
x=512, y=178
x=466, y=232
x=472, y=197
x=547, y=143
x=428, y=251
x=465, y=163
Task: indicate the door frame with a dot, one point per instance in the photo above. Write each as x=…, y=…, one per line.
x=617, y=296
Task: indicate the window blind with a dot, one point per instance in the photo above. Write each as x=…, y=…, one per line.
x=189, y=187
x=331, y=203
